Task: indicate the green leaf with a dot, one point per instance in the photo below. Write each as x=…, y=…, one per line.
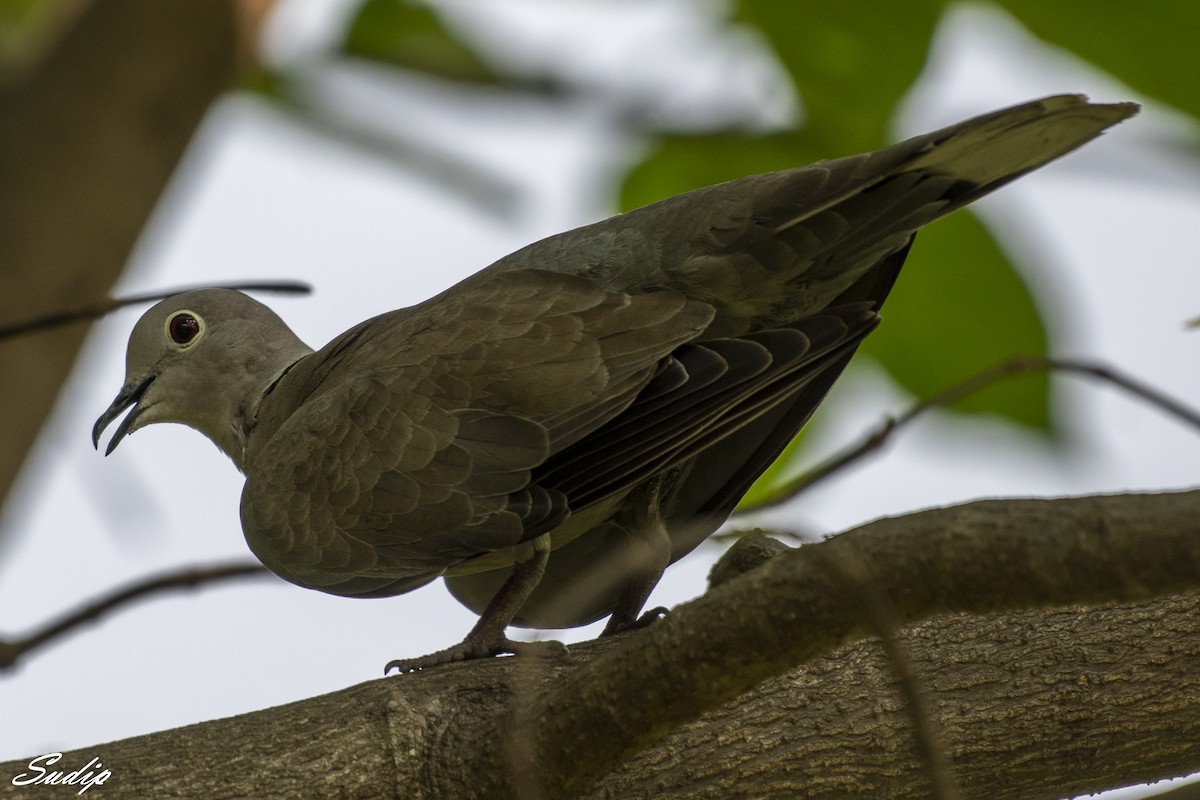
x=407, y=34
x=957, y=309
x=682, y=163
x=1152, y=46
x=850, y=61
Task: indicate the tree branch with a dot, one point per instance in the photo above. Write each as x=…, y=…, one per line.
x=984, y=557
x=773, y=683
x=885, y=625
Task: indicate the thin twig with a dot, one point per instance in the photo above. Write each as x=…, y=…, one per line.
x=1017, y=366
x=98, y=309
x=12, y=651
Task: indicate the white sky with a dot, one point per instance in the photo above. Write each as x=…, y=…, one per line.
x=261, y=199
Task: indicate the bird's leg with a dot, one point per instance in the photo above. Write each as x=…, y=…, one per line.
x=487, y=637
x=649, y=551
x=652, y=561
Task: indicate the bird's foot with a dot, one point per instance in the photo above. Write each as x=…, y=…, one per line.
x=478, y=647
x=648, y=618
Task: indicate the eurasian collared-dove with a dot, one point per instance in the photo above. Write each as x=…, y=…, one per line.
x=552, y=432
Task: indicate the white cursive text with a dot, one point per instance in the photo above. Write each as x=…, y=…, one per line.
x=85, y=776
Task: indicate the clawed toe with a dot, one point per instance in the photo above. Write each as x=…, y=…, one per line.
x=547, y=648
x=447, y=656
x=470, y=649
x=647, y=618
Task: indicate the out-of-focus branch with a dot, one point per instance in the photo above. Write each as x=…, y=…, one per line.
x=13, y=650
x=1008, y=369
x=298, y=96
x=91, y=311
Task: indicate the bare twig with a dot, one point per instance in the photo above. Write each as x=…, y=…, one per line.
x=98, y=309
x=14, y=650
x=1017, y=366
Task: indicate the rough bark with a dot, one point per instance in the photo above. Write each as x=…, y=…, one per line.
x=1057, y=643
x=89, y=138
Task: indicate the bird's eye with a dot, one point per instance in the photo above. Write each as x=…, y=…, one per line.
x=183, y=328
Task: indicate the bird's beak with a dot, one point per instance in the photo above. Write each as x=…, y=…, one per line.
x=130, y=395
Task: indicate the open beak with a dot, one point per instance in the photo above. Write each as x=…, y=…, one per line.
x=130, y=395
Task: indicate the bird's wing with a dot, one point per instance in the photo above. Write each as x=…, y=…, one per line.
x=407, y=444
x=704, y=394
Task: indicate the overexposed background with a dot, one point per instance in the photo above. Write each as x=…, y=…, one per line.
x=261, y=198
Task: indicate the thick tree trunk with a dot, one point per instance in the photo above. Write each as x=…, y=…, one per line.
x=1056, y=644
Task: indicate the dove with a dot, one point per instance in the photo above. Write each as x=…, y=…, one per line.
x=551, y=433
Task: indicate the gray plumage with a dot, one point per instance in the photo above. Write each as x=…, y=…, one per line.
x=549, y=434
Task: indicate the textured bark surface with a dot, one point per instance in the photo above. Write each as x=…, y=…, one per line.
x=1067, y=661
x=1029, y=704
x=89, y=139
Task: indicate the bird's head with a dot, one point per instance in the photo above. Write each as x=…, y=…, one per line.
x=203, y=359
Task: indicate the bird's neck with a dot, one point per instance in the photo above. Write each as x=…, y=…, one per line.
x=270, y=365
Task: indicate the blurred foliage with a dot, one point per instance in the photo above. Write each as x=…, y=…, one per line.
x=958, y=288
x=851, y=64
x=16, y=13
x=934, y=308
x=17, y=19
x=679, y=162
x=412, y=36
x=26, y=28
x=288, y=94
x=1152, y=47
